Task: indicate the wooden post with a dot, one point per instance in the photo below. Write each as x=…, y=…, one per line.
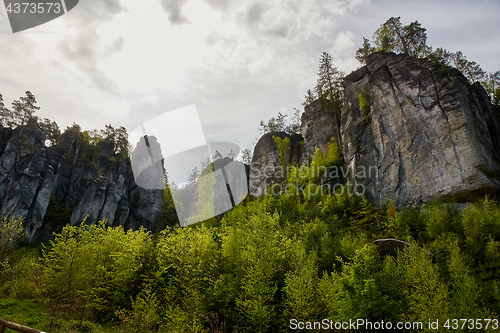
x=16, y=327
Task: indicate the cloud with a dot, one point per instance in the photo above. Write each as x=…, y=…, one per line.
x=222, y=5
x=84, y=45
x=174, y=10
x=254, y=13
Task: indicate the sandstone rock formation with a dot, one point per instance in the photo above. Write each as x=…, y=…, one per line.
x=265, y=168
x=428, y=134
x=93, y=185
x=319, y=123
x=421, y=133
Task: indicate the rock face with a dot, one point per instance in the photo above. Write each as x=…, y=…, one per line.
x=93, y=183
x=409, y=132
x=265, y=169
x=427, y=133
x=319, y=123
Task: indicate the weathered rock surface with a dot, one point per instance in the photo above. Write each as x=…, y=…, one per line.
x=319, y=123
x=265, y=169
x=429, y=133
x=426, y=134
x=94, y=185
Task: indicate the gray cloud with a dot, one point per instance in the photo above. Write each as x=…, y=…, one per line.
x=174, y=10
x=280, y=31
x=83, y=48
x=254, y=13
x=219, y=4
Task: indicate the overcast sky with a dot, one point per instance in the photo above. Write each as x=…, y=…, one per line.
x=123, y=62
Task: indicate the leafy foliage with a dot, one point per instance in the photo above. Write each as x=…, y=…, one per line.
x=492, y=86
x=283, y=150
x=267, y=261
x=364, y=101
x=279, y=124
x=118, y=136
x=11, y=233
x=51, y=130
x=247, y=156
x=309, y=98
x=328, y=85
x=22, y=111
x=471, y=70
x=392, y=36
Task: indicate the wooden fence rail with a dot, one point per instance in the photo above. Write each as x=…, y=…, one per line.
x=4, y=324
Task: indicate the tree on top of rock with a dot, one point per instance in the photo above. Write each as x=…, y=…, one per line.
x=279, y=124
x=392, y=36
x=328, y=83
x=470, y=69
x=492, y=87
x=22, y=111
x=310, y=97
x=51, y=130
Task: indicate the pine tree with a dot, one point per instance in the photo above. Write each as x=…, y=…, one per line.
x=23, y=110
x=231, y=155
x=392, y=36
x=364, y=51
x=470, y=69
x=217, y=155
x=247, y=156
x=310, y=97
x=492, y=87
x=328, y=85
x=51, y=130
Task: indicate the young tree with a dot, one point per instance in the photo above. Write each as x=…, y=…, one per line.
x=279, y=124
x=416, y=40
x=294, y=126
x=11, y=233
x=275, y=124
x=247, y=156
x=193, y=178
x=364, y=51
x=492, y=87
x=328, y=84
x=310, y=97
x=392, y=36
x=3, y=112
x=470, y=69
x=51, y=130
x=22, y=111
x=441, y=57
x=231, y=155
x=75, y=128
x=217, y=155
x=118, y=136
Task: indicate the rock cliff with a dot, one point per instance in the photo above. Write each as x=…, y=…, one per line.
x=265, y=168
x=426, y=133
x=89, y=182
x=409, y=132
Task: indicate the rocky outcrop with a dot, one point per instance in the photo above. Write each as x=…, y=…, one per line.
x=265, y=168
x=409, y=132
x=426, y=133
x=93, y=182
x=319, y=123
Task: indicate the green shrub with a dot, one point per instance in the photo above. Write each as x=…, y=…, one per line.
x=283, y=146
x=364, y=101
x=11, y=234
